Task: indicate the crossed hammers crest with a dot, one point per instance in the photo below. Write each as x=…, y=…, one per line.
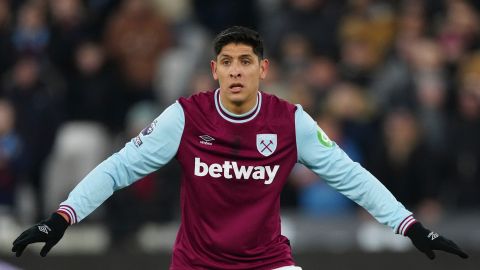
x=266, y=146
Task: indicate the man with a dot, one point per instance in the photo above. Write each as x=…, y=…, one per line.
x=236, y=146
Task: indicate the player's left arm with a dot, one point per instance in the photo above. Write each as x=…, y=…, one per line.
x=331, y=163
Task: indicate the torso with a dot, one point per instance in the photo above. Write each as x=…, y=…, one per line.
x=234, y=170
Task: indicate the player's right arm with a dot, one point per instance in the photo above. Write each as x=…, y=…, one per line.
x=155, y=146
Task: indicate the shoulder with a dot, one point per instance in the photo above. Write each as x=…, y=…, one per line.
x=272, y=102
x=200, y=98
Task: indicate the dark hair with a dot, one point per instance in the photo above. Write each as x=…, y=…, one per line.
x=239, y=34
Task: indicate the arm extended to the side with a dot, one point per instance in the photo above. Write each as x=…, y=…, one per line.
x=326, y=159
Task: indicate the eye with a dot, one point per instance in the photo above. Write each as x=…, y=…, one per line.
x=245, y=62
x=226, y=62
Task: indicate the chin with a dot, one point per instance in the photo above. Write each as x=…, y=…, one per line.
x=237, y=98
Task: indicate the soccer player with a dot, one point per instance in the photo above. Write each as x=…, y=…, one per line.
x=236, y=146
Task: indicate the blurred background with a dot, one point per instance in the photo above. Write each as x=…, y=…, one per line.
x=396, y=83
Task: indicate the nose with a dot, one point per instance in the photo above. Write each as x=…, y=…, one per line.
x=235, y=75
x=235, y=72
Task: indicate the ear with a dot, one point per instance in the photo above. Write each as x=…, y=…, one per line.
x=264, y=64
x=213, y=67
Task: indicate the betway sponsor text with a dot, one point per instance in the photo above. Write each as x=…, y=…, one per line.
x=230, y=170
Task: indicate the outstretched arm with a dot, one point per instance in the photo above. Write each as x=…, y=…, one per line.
x=155, y=146
x=326, y=159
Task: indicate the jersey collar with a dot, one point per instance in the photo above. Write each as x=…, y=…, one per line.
x=237, y=118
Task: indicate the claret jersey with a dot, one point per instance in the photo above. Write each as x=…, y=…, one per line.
x=234, y=168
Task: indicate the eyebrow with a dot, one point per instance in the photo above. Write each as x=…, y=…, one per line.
x=229, y=56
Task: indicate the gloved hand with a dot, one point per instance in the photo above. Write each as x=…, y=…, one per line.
x=427, y=241
x=49, y=231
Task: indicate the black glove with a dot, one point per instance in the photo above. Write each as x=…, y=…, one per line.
x=427, y=241
x=49, y=231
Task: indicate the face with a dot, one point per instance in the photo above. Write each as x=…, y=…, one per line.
x=238, y=71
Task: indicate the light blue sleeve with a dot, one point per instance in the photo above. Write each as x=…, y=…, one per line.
x=155, y=146
x=326, y=159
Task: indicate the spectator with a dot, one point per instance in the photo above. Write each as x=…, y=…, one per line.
x=392, y=84
x=365, y=33
x=306, y=18
x=322, y=75
x=98, y=13
x=135, y=37
x=348, y=104
x=31, y=34
x=93, y=86
x=358, y=60
x=459, y=31
x=10, y=156
x=463, y=143
x=69, y=26
x=216, y=14
x=430, y=85
x=177, y=12
x=402, y=161
x=5, y=32
x=296, y=54
x=35, y=95
x=178, y=64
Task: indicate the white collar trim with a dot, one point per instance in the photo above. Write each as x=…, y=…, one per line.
x=229, y=116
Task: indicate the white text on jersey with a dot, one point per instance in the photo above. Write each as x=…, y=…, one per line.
x=216, y=170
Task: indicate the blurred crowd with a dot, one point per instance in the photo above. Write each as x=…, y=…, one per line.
x=395, y=83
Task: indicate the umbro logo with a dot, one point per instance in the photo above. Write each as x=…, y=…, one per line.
x=206, y=139
x=44, y=228
x=432, y=235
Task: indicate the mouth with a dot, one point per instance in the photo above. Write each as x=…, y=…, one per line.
x=236, y=87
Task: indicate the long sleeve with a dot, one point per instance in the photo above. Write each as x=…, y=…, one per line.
x=155, y=146
x=324, y=157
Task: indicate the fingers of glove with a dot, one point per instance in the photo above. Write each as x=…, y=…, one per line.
x=25, y=241
x=47, y=247
x=28, y=239
x=430, y=254
x=18, y=250
x=22, y=237
x=451, y=247
x=461, y=253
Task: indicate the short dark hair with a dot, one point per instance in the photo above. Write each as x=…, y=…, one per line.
x=239, y=34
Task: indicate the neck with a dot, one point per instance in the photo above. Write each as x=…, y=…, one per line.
x=238, y=108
